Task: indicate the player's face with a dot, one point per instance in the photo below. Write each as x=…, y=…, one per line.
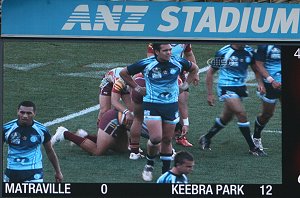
x=186, y=167
x=165, y=52
x=25, y=115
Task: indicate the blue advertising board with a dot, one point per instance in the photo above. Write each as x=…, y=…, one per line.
x=148, y=20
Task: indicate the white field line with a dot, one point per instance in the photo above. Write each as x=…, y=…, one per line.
x=96, y=107
x=71, y=116
x=25, y=67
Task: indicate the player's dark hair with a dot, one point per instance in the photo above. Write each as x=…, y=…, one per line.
x=27, y=103
x=181, y=156
x=157, y=46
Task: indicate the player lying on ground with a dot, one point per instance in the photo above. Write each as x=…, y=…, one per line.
x=112, y=135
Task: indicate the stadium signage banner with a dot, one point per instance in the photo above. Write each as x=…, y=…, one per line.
x=150, y=20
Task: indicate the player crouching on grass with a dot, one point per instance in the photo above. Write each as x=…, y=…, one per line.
x=112, y=134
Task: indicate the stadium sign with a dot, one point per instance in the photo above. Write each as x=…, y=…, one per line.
x=151, y=20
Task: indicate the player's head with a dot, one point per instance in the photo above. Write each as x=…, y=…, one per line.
x=26, y=111
x=184, y=162
x=237, y=46
x=162, y=51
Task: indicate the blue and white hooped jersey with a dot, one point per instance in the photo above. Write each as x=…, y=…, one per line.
x=234, y=68
x=161, y=78
x=271, y=56
x=169, y=177
x=24, y=145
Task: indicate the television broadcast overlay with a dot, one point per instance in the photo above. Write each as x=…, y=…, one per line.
x=61, y=54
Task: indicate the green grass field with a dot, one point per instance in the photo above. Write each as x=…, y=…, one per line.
x=62, y=78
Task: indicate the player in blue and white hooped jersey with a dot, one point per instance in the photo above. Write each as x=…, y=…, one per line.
x=183, y=165
x=268, y=62
x=24, y=137
x=160, y=101
x=232, y=62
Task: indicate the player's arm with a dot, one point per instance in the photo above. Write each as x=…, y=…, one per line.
x=54, y=160
x=189, y=55
x=115, y=101
x=193, y=74
x=209, y=86
x=258, y=75
x=259, y=66
x=129, y=81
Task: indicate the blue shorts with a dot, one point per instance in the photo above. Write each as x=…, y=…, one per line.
x=166, y=112
x=232, y=92
x=18, y=176
x=271, y=95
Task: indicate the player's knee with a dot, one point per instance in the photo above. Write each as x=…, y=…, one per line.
x=154, y=141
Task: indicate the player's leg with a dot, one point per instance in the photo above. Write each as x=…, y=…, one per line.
x=105, y=105
x=261, y=120
x=169, y=114
x=236, y=106
x=267, y=111
x=166, y=145
x=135, y=131
x=121, y=142
x=104, y=99
x=180, y=138
x=104, y=142
x=220, y=123
x=154, y=125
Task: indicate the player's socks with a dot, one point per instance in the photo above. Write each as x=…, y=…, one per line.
x=166, y=160
x=215, y=129
x=245, y=129
x=134, y=147
x=74, y=138
x=150, y=160
x=257, y=129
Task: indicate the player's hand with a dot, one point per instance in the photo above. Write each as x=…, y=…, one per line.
x=58, y=177
x=261, y=89
x=129, y=118
x=211, y=100
x=276, y=85
x=184, y=130
x=184, y=86
x=140, y=90
x=196, y=80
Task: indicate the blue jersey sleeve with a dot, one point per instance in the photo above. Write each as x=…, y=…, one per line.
x=186, y=65
x=139, y=66
x=47, y=136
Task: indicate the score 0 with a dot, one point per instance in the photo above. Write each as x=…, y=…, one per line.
x=103, y=189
